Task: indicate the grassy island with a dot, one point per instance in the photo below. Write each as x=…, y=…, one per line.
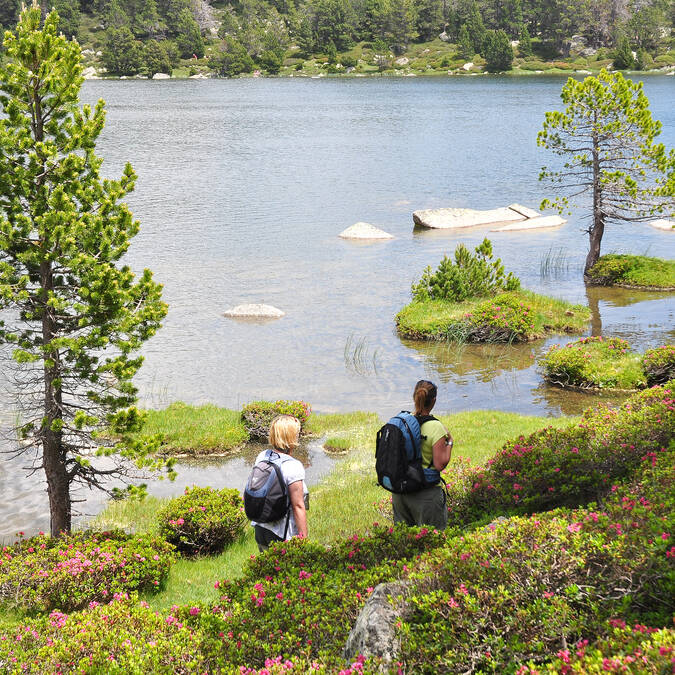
x=634, y=271
x=561, y=532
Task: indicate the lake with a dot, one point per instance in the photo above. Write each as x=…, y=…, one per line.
x=244, y=186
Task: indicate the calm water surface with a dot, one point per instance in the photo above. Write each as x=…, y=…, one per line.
x=243, y=188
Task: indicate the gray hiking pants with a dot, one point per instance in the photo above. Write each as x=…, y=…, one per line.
x=426, y=507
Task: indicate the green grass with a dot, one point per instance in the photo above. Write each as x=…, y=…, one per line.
x=200, y=430
x=443, y=320
x=348, y=500
x=634, y=270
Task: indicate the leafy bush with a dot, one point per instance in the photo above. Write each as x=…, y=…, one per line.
x=203, y=520
x=505, y=318
x=258, y=415
x=121, y=636
x=565, y=467
x=469, y=276
x=522, y=590
x=348, y=61
x=594, y=362
x=659, y=364
x=633, y=270
x=43, y=573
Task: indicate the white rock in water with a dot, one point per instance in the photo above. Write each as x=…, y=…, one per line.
x=539, y=223
x=364, y=231
x=255, y=311
x=663, y=224
x=161, y=76
x=445, y=219
x=524, y=210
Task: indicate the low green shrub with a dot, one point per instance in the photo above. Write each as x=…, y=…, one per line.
x=203, y=520
x=121, y=636
x=594, y=362
x=69, y=572
x=505, y=318
x=468, y=276
x=337, y=445
x=534, y=65
x=633, y=270
x=258, y=415
x=521, y=590
x=564, y=467
x=659, y=364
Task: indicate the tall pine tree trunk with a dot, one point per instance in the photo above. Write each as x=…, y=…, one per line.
x=597, y=229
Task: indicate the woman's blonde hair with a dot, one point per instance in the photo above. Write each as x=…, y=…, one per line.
x=284, y=432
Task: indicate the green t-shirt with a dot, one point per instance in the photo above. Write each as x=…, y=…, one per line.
x=432, y=431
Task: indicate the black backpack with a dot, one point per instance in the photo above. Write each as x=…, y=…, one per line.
x=398, y=455
x=266, y=497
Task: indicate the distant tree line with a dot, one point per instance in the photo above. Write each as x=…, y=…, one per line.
x=153, y=35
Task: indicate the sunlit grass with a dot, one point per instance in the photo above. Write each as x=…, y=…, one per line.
x=634, y=270
x=196, y=430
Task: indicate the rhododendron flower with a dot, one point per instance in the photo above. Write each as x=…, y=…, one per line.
x=574, y=527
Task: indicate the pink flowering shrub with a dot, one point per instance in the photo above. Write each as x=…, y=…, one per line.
x=528, y=589
x=659, y=364
x=626, y=649
x=594, y=362
x=118, y=636
x=565, y=467
x=203, y=520
x=258, y=415
x=505, y=318
x=301, y=599
x=69, y=572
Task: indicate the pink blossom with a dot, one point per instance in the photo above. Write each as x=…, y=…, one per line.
x=194, y=611
x=574, y=527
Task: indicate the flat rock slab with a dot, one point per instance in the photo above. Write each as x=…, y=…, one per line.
x=455, y=218
x=663, y=224
x=254, y=311
x=539, y=223
x=364, y=231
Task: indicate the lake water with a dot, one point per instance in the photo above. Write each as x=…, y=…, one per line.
x=243, y=188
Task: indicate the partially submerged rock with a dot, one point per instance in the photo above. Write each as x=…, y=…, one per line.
x=161, y=76
x=374, y=633
x=532, y=224
x=663, y=224
x=453, y=218
x=254, y=311
x=364, y=231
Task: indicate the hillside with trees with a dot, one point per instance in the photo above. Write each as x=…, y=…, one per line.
x=192, y=37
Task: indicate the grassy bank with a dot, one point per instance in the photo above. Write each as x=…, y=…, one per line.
x=348, y=500
x=443, y=320
x=634, y=271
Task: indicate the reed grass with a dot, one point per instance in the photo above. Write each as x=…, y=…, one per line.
x=554, y=264
x=358, y=357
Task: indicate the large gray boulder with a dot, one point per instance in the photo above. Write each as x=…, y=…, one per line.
x=374, y=633
x=254, y=311
x=364, y=231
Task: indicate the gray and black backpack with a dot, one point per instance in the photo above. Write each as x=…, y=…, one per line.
x=266, y=497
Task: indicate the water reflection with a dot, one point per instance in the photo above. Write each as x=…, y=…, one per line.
x=559, y=401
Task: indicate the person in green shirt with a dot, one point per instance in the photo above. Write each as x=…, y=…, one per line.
x=428, y=506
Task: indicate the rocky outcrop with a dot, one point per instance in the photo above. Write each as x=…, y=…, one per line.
x=374, y=633
x=254, y=311
x=538, y=223
x=161, y=76
x=364, y=231
x=90, y=73
x=663, y=224
x=456, y=218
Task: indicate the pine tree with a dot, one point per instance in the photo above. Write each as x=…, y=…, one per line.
x=606, y=133
x=76, y=315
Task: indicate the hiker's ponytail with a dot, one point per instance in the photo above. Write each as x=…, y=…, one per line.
x=424, y=396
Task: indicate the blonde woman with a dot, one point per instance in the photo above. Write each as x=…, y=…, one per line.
x=284, y=437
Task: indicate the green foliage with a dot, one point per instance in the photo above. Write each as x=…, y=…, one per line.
x=156, y=58
x=623, y=54
x=633, y=270
x=497, y=51
x=607, y=136
x=271, y=61
x=566, y=467
x=233, y=60
x=594, y=362
x=122, y=52
x=511, y=593
x=505, y=318
x=469, y=276
x=258, y=415
x=203, y=520
x=525, y=43
x=69, y=572
x=77, y=316
x=189, y=38
x=659, y=364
